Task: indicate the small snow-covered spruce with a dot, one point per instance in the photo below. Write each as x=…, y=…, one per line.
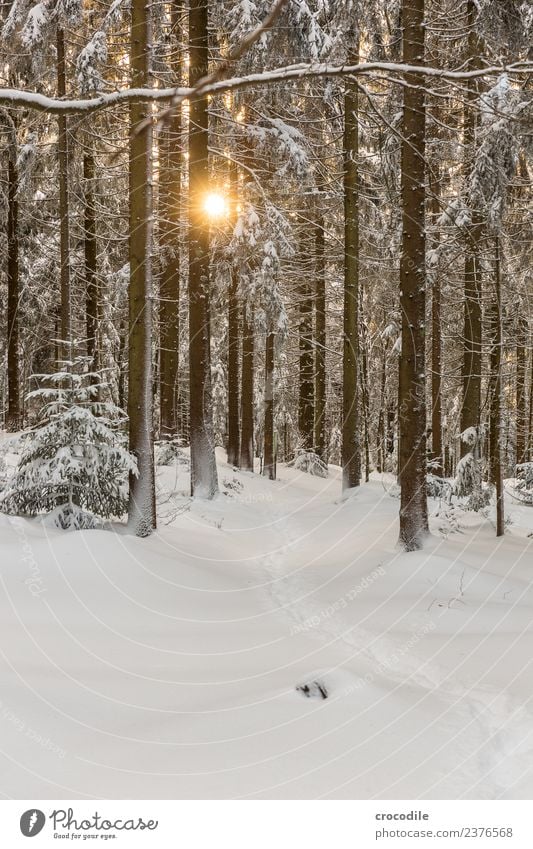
x=523, y=483
x=73, y=464
x=468, y=481
x=168, y=451
x=308, y=461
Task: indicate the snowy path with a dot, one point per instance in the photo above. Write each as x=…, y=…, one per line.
x=167, y=667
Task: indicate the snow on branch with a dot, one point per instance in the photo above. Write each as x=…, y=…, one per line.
x=55, y=106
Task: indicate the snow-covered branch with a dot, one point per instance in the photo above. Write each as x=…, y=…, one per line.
x=52, y=105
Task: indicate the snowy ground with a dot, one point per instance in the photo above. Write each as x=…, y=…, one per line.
x=167, y=667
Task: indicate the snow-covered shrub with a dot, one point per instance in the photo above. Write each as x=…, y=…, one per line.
x=166, y=451
x=468, y=481
x=437, y=487
x=74, y=464
x=522, y=488
x=308, y=461
x=448, y=519
x=233, y=485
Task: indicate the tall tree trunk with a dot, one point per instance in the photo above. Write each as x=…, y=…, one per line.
x=412, y=397
x=380, y=435
x=436, y=341
x=306, y=366
x=13, y=417
x=472, y=332
x=520, y=390
x=269, y=466
x=246, y=460
x=365, y=394
x=233, y=370
x=169, y=291
x=495, y=424
x=320, y=340
x=351, y=459
x=142, y=516
x=204, y=482
x=529, y=440
x=90, y=251
x=64, y=231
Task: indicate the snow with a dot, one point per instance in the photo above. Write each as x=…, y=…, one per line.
x=167, y=667
x=54, y=106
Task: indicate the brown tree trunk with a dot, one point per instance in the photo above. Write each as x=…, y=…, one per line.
x=472, y=332
x=64, y=228
x=412, y=398
x=365, y=395
x=13, y=417
x=269, y=466
x=351, y=460
x=169, y=289
x=204, y=482
x=246, y=460
x=436, y=341
x=320, y=341
x=380, y=436
x=233, y=370
x=306, y=367
x=495, y=390
x=90, y=251
x=520, y=390
x=142, y=516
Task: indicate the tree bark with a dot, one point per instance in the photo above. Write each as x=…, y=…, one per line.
x=142, y=515
x=320, y=340
x=306, y=366
x=495, y=424
x=472, y=333
x=64, y=228
x=520, y=390
x=169, y=291
x=90, y=251
x=436, y=337
x=246, y=460
x=365, y=394
x=233, y=370
x=351, y=459
x=411, y=396
x=13, y=417
x=269, y=465
x=204, y=482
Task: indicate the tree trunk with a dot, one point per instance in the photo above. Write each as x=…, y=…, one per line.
x=472, y=332
x=320, y=341
x=204, y=483
x=64, y=229
x=495, y=434
x=246, y=460
x=13, y=417
x=269, y=466
x=351, y=460
x=436, y=342
x=233, y=370
x=380, y=436
x=306, y=367
x=169, y=291
x=520, y=390
x=142, y=516
x=364, y=389
x=412, y=398
x=90, y=251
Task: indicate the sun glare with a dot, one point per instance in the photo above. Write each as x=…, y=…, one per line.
x=215, y=205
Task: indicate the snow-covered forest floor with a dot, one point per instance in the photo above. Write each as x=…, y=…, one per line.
x=168, y=667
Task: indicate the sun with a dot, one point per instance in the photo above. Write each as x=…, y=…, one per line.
x=215, y=205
